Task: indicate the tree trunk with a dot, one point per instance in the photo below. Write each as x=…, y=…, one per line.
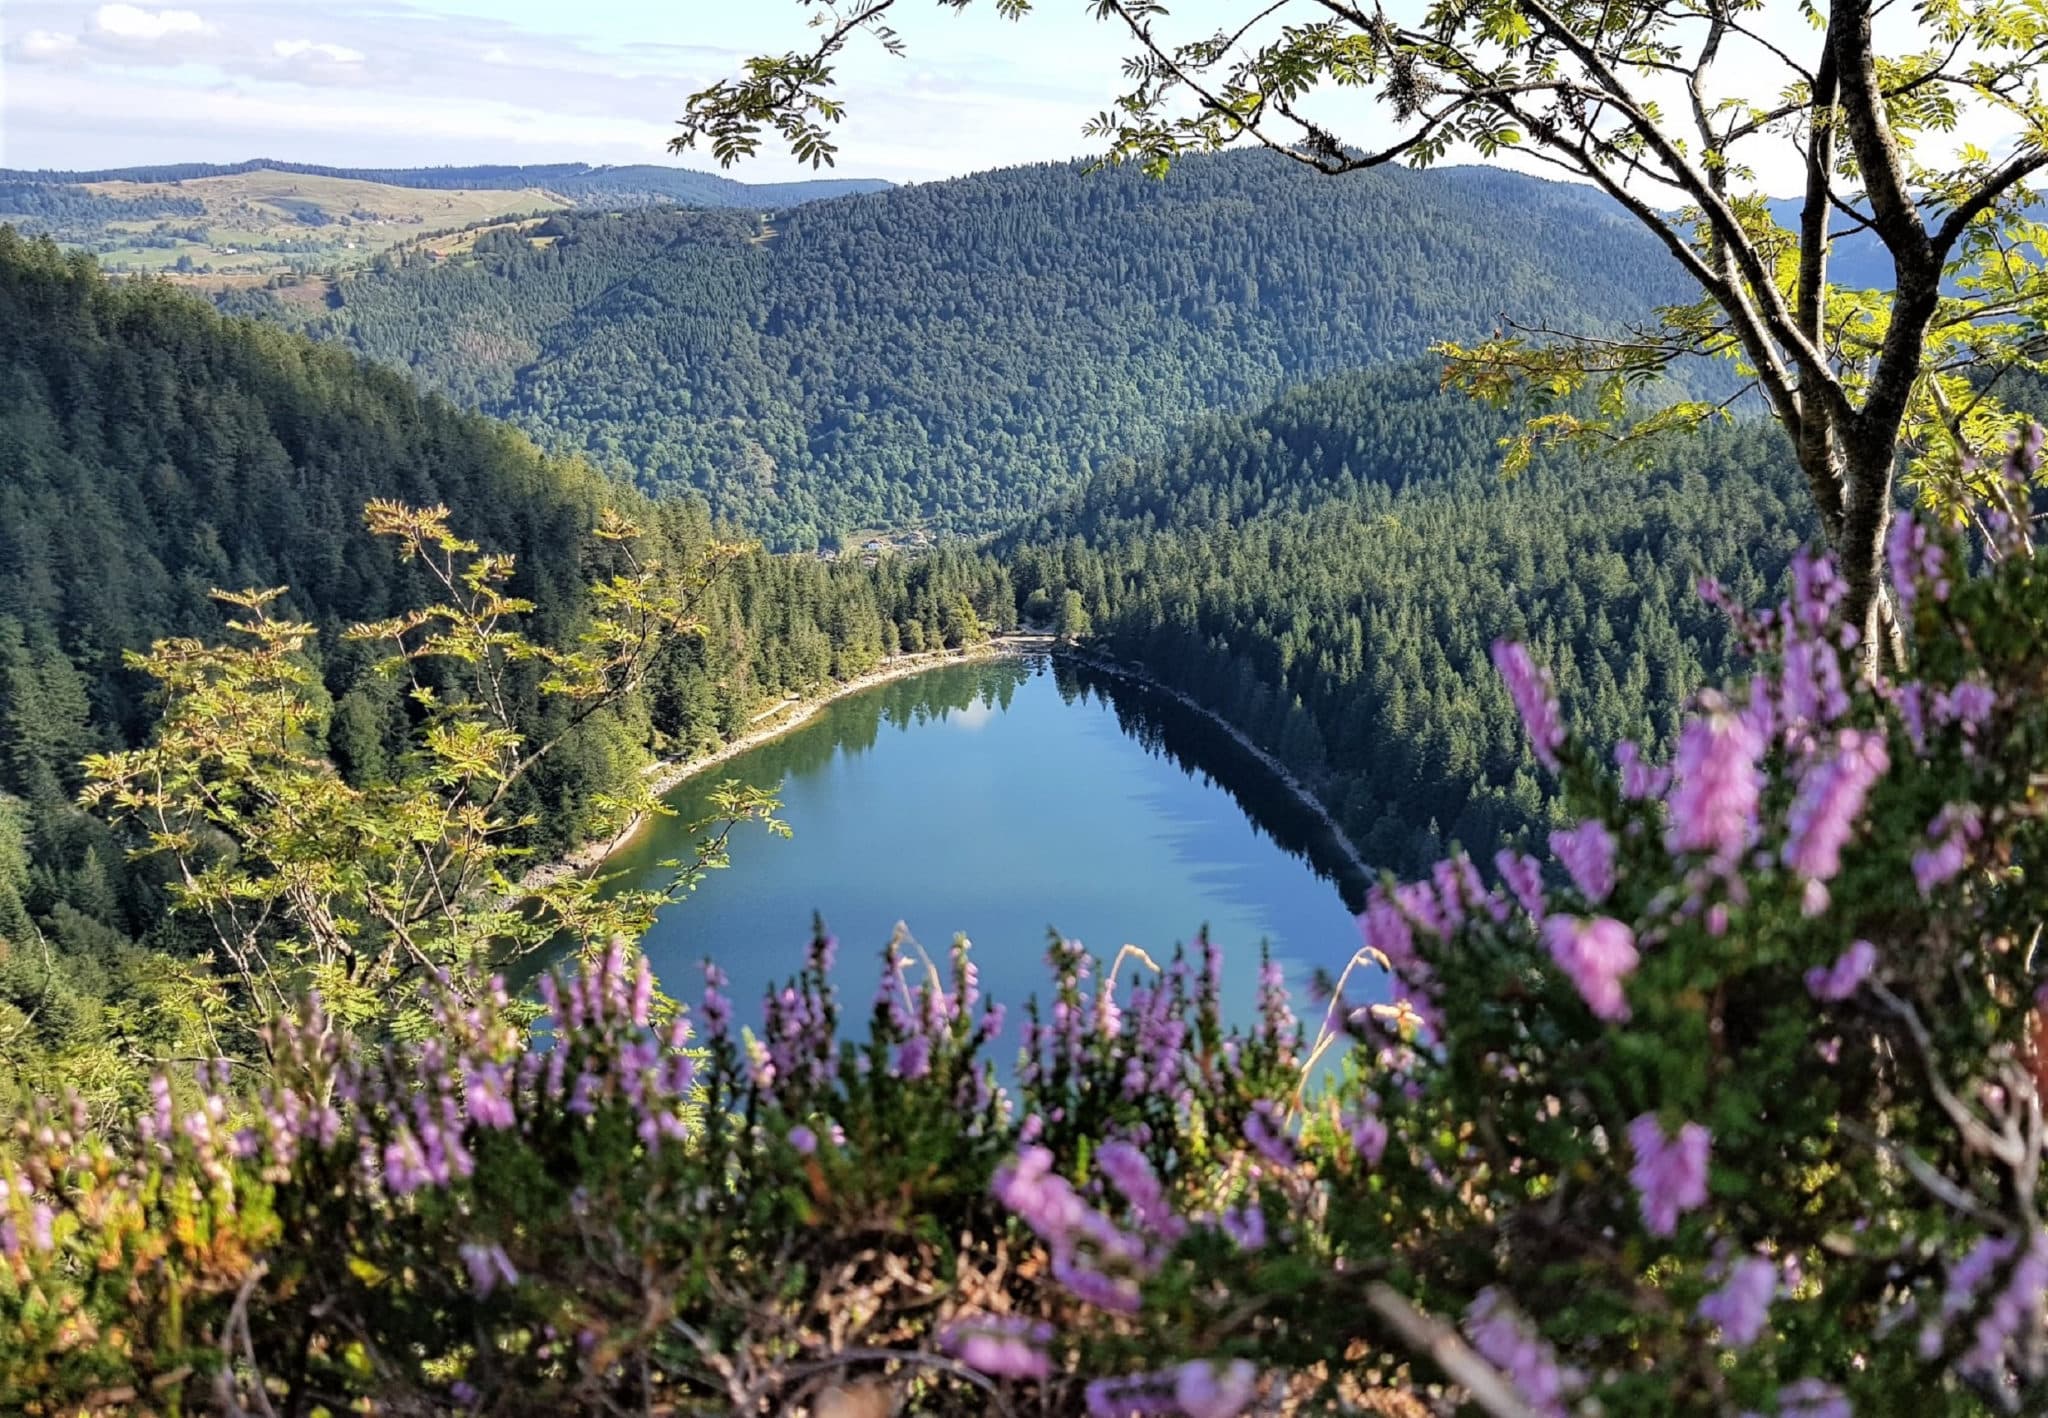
x=1860, y=555
x=1851, y=478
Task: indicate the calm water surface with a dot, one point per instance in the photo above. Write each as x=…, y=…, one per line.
x=1002, y=799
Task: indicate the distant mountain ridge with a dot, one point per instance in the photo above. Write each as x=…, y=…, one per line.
x=591, y=184
x=956, y=353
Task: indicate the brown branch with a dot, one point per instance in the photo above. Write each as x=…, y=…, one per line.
x=1441, y=1345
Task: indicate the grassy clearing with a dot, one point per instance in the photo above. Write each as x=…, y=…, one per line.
x=259, y=224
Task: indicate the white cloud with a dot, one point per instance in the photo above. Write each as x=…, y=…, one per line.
x=134, y=25
x=46, y=44
x=335, y=53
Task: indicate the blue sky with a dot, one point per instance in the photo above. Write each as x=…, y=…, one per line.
x=94, y=83
x=416, y=82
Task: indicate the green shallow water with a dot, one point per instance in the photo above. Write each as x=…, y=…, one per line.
x=1002, y=799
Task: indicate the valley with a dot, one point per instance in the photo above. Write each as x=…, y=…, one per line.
x=1290, y=768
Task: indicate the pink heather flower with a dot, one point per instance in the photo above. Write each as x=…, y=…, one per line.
x=1912, y=704
x=1968, y=704
x=1713, y=803
x=1954, y=828
x=1524, y=877
x=1810, y=691
x=1535, y=699
x=1597, y=954
x=488, y=1267
x=1369, y=1136
x=1266, y=1130
x=1965, y=1278
x=1670, y=1174
x=1116, y=1293
x=1202, y=1389
x=1915, y=560
x=1639, y=781
x=1843, y=978
x=1816, y=589
x=913, y=1058
x=1130, y=1173
x=2013, y=1312
x=1830, y=797
x=1587, y=852
x=1001, y=1346
x=1743, y=1303
x=1507, y=1341
x=1244, y=1225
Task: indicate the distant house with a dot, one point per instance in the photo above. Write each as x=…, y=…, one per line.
x=874, y=544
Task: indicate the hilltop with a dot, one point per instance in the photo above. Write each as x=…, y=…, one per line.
x=219, y=226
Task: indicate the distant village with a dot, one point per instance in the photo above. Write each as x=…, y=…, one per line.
x=872, y=547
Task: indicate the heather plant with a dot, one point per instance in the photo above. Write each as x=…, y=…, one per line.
x=1730, y=1107
x=640, y=1208
x=1733, y=1109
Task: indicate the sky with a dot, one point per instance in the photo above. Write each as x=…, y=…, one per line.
x=85, y=84
x=412, y=83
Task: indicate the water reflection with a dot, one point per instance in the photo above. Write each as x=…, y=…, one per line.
x=1000, y=799
x=1197, y=744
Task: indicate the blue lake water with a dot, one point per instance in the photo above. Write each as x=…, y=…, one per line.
x=1002, y=799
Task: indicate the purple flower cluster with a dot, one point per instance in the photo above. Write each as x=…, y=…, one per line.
x=2013, y=1317
x=1276, y=1026
x=1640, y=781
x=1842, y=979
x=1740, y=1308
x=1966, y=1278
x=1265, y=1128
x=1717, y=785
x=1587, y=852
x=1196, y=1389
x=1091, y=1255
x=1506, y=1340
x=1434, y=908
x=1001, y=1346
x=416, y=1114
x=1670, y=1173
x=1535, y=700
x=488, y=1267
x=1131, y=1174
x=1598, y=954
x=1916, y=560
x=1954, y=830
x=1832, y=789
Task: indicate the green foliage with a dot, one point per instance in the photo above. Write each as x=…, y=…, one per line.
x=156, y=451
x=1328, y=573
x=311, y=884
x=954, y=353
x=657, y=1211
x=1867, y=113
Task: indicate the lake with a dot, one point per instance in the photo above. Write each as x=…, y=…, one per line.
x=1002, y=798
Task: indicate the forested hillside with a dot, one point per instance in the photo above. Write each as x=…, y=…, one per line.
x=220, y=226
x=1329, y=573
x=154, y=450
x=957, y=352
x=592, y=185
